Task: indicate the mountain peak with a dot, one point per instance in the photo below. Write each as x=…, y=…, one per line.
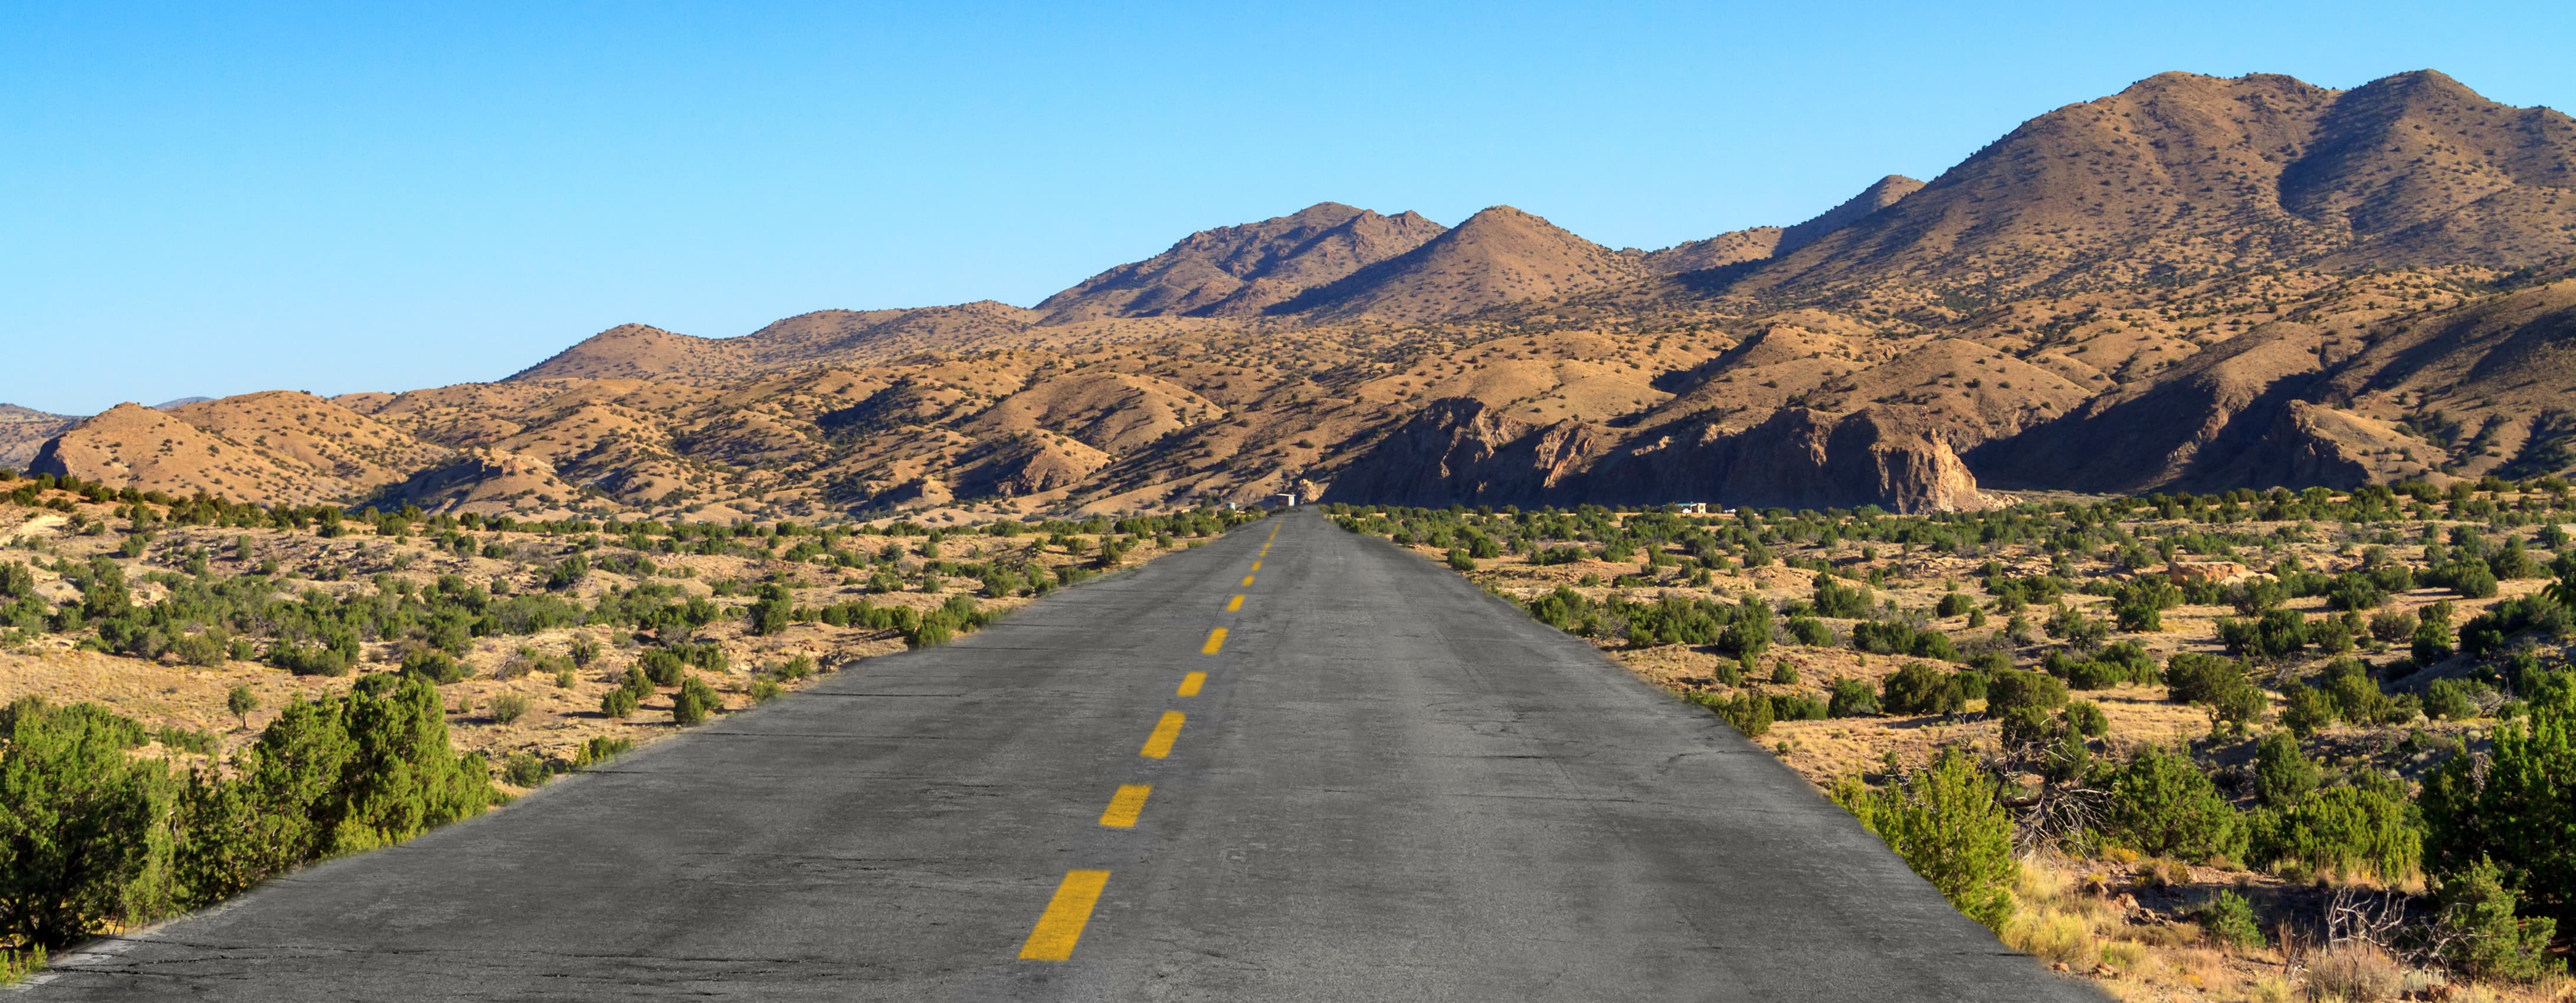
x=1499, y=255
x=1235, y=271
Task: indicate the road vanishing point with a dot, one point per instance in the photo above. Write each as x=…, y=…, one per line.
x=1291, y=764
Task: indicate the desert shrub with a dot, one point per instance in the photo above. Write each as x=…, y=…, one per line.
x=326, y=778
x=1850, y=698
x=695, y=701
x=2083, y=633
x=2470, y=578
x=1921, y=689
x=929, y=633
x=2394, y=627
x=2016, y=688
x=2216, y=683
x=2433, y=642
x=2277, y=635
x=1798, y=707
x=2357, y=698
x=662, y=666
x=2162, y=804
x=2513, y=809
x=508, y=707
x=311, y=660
x=770, y=613
x=2087, y=719
x=618, y=703
x=2228, y=919
x=1748, y=712
x=798, y=667
x=764, y=690
x=2340, y=830
x=433, y=665
x=1461, y=560
x=1811, y=632
x=1835, y=599
x=523, y=769
x=1748, y=633
x=2282, y=773
x=2355, y=970
x=202, y=743
x=584, y=651
x=1888, y=637
x=1948, y=824
x=2451, y=699
x=2485, y=937
x=79, y=837
x=601, y=749
x=2541, y=614
x=1954, y=604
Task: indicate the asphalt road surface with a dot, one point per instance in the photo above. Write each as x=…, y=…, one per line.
x=1386, y=786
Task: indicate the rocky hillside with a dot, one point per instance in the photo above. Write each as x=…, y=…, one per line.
x=24, y=430
x=2195, y=283
x=2184, y=177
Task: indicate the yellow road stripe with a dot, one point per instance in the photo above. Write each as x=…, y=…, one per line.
x=1256, y=565
x=1235, y=605
x=1190, y=683
x=1060, y=926
x=1247, y=579
x=1124, y=806
x=1216, y=640
x=1167, y=731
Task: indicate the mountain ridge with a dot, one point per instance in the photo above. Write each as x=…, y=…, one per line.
x=2194, y=283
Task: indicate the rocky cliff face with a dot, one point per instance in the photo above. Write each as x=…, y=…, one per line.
x=1461, y=451
x=1797, y=458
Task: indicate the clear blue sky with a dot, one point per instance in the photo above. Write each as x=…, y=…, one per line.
x=212, y=199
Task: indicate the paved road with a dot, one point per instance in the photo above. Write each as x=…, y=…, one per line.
x=1388, y=786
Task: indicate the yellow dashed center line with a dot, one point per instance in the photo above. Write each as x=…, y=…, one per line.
x=1166, y=731
x=1215, y=641
x=1256, y=565
x=1247, y=579
x=1124, y=806
x=1060, y=926
x=1234, y=605
x=1190, y=684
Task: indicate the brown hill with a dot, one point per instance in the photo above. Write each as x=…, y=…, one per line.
x=133, y=445
x=1880, y=194
x=1500, y=255
x=1239, y=271
x=639, y=352
x=24, y=430
x=347, y=446
x=2186, y=176
x=1729, y=248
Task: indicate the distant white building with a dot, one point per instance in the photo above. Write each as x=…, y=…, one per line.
x=1284, y=500
x=1692, y=508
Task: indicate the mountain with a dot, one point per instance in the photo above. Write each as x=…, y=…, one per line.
x=1499, y=255
x=1763, y=242
x=275, y=447
x=2182, y=177
x=1880, y=194
x=2197, y=283
x=1239, y=271
x=24, y=430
